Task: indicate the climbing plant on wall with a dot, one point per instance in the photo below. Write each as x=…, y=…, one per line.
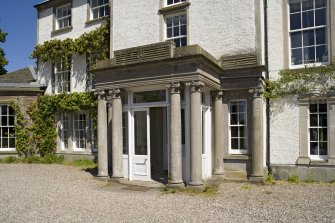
x=54, y=50
x=38, y=135
x=316, y=79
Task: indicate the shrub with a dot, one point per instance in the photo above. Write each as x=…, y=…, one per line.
x=50, y=158
x=10, y=159
x=82, y=162
x=270, y=179
x=32, y=159
x=294, y=179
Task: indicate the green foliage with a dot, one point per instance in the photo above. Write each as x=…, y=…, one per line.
x=270, y=179
x=82, y=163
x=3, y=60
x=56, y=49
x=24, y=138
x=319, y=79
x=294, y=179
x=246, y=186
x=10, y=159
x=38, y=136
x=52, y=158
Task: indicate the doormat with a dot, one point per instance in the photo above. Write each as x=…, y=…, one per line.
x=137, y=188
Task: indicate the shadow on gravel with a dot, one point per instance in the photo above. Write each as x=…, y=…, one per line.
x=92, y=171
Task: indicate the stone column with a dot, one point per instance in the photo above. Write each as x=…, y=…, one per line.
x=331, y=116
x=109, y=140
x=218, y=134
x=196, y=134
x=257, y=132
x=175, y=170
x=303, y=158
x=102, y=135
x=117, y=143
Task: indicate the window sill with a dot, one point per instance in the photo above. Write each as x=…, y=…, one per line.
x=94, y=21
x=9, y=151
x=63, y=30
x=174, y=8
x=237, y=157
x=310, y=65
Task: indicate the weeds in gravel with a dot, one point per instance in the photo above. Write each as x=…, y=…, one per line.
x=293, y=179
x=208, y=190
x=246, y=186
x=270, y=179
x=83, y=163
x=10, y=159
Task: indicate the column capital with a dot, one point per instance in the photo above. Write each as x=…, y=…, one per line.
x=218, y=95
x=101, y=94
x=174, y=87
x=259, y=90
x=196, y=86
x=114, y=93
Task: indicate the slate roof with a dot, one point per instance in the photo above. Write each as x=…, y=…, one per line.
x=19, y=76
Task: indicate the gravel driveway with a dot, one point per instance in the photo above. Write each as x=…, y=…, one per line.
x=55, y=193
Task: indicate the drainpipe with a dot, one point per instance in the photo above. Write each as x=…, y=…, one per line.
x=266, y=49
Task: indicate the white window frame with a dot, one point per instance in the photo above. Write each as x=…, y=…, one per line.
x=180, y=36
x=78, y=130
x=6, y=126
x=58, y=19
x=238, y=151
x=309, y=28
x=174, y=2
x=59, y=77
x=97, y=8
x=318, y=157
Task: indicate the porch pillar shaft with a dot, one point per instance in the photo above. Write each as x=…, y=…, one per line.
x=257, y=173
x=117, y=143
x=175, y=170
x=218, y=134
x=196, y=134
x=109, y=138
x=102, y=135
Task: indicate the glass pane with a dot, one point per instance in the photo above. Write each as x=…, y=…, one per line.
x=308, y=19
x=183, y=20
x=176, y=31
x=11, y=111
x=296, y=56
x=295, y=21
x=243, y=143
x=308, y=37
x=140, y=130
x=175, y=20
x=242, y=131
x=321, y=36
x=321, y=54
x=322, y=107
x=125, y=132
x=177, y=42
x=11, y=142
x=233, y=119
x=170, y=2
x=183, y=30
x=107, y=13
x=295, y=7
x=5, y=142
x=309, y=55
x=149, y=96
x=296, y=40
x=323, y=120
x=320, y=3
x=314, y=150
x=313, y=107
x=320, y=17
x=4, y=121
x=233, y=107
x=4, y=110
x=169, y=22
x=183, y=41
x=234, y=143
x=306, y=5
x=94, y=3
x=95, y=13
x=313, y=120
x=242, y=106
x=323, y=148
x=234, y=131
x=242, y=119
x=313, y=134
x=169, y=32
x=11, y=120
x=323, y=134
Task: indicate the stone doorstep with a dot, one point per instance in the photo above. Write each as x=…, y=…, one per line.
x=150, y=184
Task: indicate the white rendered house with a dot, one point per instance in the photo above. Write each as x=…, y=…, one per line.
x=181, y=96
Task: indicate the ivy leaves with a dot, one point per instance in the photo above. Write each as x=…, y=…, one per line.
x=56, y=49
x=320, y=80
x=38, y=136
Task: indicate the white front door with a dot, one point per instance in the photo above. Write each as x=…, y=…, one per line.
x=141, y=151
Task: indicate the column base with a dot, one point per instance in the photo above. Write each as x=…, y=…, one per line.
x=103, y=176
x=331, y=161
x=218, y=172
x=176, y=184
x=257, y=179
x=195, y=183
x=116, y=177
